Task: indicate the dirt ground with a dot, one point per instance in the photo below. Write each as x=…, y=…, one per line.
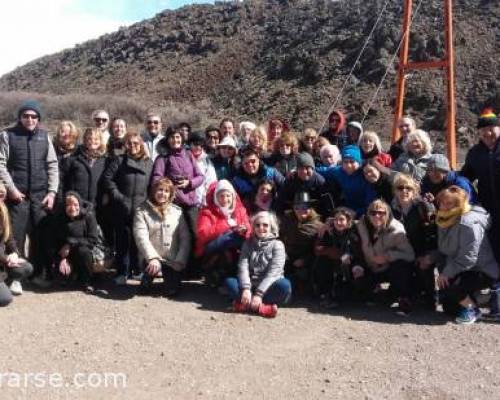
x=194, y=348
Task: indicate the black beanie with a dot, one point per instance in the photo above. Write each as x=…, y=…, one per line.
x=31, y=105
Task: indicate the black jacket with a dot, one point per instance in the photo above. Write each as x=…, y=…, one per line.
x=84, y=178
x=126, y=181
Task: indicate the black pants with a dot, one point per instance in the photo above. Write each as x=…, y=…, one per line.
x=29, y=218
x=398, y=274
x=126, y=249
x=80, y=259
x=463, y=285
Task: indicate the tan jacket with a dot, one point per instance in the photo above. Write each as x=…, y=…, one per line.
x=391, y=242
x=167, y=238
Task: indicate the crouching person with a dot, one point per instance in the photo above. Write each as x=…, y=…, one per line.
x=13, y=269
x=162, y=237
x=76, y=235
x=387, y=253
x=469, y=263
x=261, y=286
x=339, y=259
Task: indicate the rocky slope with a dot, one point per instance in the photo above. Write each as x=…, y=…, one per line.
x=256, y=58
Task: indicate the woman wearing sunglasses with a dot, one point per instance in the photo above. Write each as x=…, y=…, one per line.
x=418, y=218
x=388, y=253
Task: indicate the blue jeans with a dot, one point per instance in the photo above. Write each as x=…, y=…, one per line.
x=278, y=293
x=228, y=240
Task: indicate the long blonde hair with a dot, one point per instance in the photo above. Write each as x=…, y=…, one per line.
x=4, y=218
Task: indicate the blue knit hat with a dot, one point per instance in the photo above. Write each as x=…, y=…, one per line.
x=31, y=105
x=353, y=152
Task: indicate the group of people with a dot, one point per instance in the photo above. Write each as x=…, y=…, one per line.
x=257, y=211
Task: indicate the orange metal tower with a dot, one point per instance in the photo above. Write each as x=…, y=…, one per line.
x=447, y=65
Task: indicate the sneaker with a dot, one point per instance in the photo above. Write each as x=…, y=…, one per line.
x=238, y=306
x=268, y=310
x=16, y=288
x=468, y=315
x=41, y=281
x=120, y=280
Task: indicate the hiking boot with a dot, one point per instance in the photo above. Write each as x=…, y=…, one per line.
x=120, y=280
x=238, y=306
x=16, y=288
x=468, y=315
x=268, y=310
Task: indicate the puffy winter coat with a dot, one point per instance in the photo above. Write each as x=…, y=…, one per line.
x=409, y=165
x=466, y=245
x=166, y=238
x=127, y=180
x=452, y=178
x=245, y=184
x=212, y=223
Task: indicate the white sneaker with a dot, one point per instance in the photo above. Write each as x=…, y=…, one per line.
x=120, y=280
x=16, y=288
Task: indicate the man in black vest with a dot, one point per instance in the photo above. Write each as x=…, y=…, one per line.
x=29, y=170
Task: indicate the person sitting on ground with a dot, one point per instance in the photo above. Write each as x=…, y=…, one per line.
x=418, y=218
x=355, y=192
x=116, y=142
x=162, y=237
x=387, y=252
x=371, y=149
x=299, y=229
x=406, y=125
x=226, y=161
x=305, y=179
x=251, y=172
x=440, y=176
x=469, y=264
x=336, y=132
x=75, y=235
x=212, y=139
x=338, y=259
x=354, y=131
x=417, y=154
x=222, y=228
x=13, y=269
x=204, y=164
x=260, y=286
x=126, y=181
x=284, y=156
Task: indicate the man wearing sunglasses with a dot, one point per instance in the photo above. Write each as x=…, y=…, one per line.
x=29, y=169
x=152, y=134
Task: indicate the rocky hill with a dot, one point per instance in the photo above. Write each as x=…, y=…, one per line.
x=257, y=58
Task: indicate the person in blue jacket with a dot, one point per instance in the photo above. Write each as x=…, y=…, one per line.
x=252, y=171
x=355, y=191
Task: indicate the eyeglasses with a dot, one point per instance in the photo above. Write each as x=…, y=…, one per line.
x=29, y=116
x=153, y=122
x=100, y=120
x=301, y=207
x=263, y=225
x=213, y=137
x=377, y=213
x=310, y=138
x=401, y=188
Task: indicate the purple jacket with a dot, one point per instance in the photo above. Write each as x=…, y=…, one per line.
x=179, y=164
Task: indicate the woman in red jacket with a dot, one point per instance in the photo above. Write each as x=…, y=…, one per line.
x=222, y=228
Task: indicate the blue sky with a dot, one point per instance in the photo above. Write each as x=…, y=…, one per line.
x=34, y=28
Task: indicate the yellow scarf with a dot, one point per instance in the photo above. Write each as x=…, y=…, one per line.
x=445, y=219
